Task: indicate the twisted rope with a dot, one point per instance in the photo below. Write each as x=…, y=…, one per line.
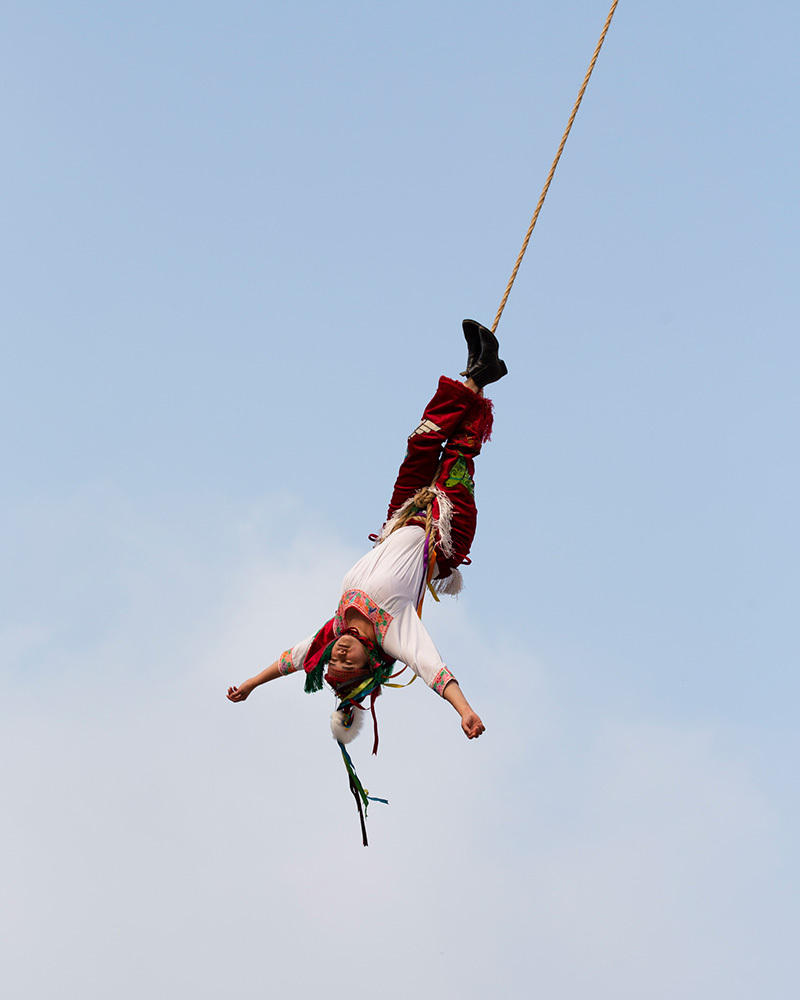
x=555, y=164
x=421, y=503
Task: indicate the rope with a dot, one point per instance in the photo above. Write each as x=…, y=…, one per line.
x=555, y=164
x=421, y=503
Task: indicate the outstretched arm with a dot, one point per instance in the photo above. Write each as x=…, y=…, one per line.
x=243, y=690
x=470, y=720
x=408, y=641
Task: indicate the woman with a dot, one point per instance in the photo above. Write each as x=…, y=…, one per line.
x=428, y=533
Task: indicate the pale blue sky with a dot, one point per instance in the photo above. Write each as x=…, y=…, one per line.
x=239, y=242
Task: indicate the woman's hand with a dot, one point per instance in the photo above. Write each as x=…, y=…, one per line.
x=472, y=725
x=246, y=687
x=470, y=720
x=240, y=693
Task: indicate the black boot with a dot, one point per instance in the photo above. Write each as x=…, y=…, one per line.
x=486, y=367
x=473, y=340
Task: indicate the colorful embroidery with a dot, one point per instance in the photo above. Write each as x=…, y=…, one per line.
x=286, y=666
x=441, y=680
x=459, y=476
x=361, y=602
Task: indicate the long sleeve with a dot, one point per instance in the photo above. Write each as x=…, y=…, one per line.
x=408, y=641
x=293, y=659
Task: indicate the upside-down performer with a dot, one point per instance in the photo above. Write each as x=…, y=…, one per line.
x=428, y=533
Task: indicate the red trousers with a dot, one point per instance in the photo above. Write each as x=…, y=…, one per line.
x=442, y=452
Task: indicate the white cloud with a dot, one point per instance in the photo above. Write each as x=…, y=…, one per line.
x=164, y=842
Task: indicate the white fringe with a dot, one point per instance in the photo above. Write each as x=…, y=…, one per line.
x=444, y=522
x=441, y=523
x=342, y=733
x=450, y=586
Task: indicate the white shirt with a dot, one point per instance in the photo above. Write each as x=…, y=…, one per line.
x=386, y=585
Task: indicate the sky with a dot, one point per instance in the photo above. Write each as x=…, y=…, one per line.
x=239, y=241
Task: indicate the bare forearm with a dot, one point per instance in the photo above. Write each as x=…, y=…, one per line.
x=270, y=673
x=470, y=720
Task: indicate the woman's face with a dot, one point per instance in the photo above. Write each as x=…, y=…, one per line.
x=348, y=654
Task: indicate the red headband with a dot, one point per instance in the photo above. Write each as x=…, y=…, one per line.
x=335, y=675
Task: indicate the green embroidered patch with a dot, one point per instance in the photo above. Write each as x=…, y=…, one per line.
x=459, y=476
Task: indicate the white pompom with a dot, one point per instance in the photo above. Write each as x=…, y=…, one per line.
x=450, y=586
x=343, y=733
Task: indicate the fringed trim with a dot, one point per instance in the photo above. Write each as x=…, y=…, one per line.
x=441, y=524
x=444, y=522
x=449, y=586
x=485, y=419
x=314, y=678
